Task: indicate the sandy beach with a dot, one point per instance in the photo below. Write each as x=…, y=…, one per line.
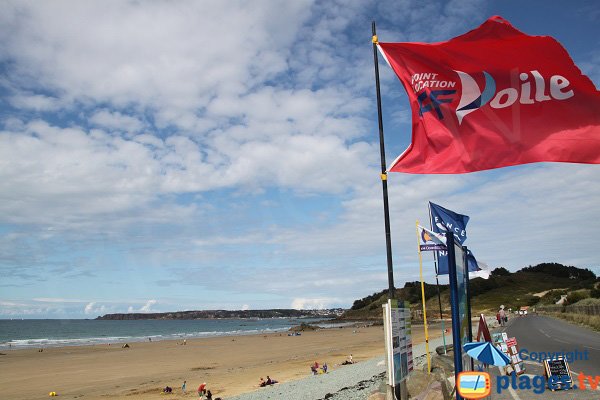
x=230, y=365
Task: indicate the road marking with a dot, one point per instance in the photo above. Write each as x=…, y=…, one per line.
x=562, y=341
x=513, y=393
x=590, y=347
x=544, y=332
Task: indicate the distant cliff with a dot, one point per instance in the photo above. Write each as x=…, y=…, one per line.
x=216, y=314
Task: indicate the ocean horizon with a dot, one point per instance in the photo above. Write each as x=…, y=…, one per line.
x=40, y=333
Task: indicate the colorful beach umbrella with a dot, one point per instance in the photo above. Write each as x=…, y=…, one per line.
x=487, y=353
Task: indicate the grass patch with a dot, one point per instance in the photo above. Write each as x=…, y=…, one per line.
x=587, y=302
x=590, y=321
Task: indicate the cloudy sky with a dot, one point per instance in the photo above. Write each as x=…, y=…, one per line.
x=162, y=156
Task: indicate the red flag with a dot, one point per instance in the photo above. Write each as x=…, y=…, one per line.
x=492, y=98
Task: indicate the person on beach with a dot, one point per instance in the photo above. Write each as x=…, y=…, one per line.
x=324, y=368
x=183, y=387
x=271, y=381
x=208, y=395
x=262, y=382
x=202, y=390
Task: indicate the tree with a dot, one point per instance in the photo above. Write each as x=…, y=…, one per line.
x=500, y=271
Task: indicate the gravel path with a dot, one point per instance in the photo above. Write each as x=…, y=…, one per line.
x=345, y=382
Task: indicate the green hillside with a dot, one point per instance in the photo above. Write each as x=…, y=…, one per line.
x=530, y=286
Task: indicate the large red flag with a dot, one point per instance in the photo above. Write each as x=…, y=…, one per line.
x=492, y=98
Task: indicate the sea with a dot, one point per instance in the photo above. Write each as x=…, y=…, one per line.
x=40, y=333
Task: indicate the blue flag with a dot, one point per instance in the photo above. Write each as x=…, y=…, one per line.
x=472, y=262
x=442, y=221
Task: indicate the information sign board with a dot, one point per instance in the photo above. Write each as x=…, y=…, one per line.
x=510, y=348
x=559, y=369
x=398, y=342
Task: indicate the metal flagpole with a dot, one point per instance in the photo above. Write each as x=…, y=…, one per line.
x=400, y=391
x=423, y=300
x=437, y=284
x=386, y=209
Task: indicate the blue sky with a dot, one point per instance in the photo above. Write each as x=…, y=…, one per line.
x=162, y=156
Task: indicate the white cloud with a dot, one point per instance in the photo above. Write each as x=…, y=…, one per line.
x=36, y=102
x=94, y=308
x=148, y=306
x=57, y=300
x=192, y=52
x=76, y=175
x=116, y=121
x=236, y=128
x=312, y=304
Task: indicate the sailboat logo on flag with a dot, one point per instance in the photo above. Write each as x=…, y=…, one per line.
x=472, y=98
x=429, y=241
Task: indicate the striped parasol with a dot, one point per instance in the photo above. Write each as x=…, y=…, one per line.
x=487, y=353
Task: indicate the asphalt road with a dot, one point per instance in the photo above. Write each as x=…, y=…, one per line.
x=538, y=334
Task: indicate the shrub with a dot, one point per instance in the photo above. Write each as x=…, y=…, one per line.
x=531, y=300
x=574, y=297
x=500, y=271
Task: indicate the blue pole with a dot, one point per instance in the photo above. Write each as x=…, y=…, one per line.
x=457, y=348
x=467, y=284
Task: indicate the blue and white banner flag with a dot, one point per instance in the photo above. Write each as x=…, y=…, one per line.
x=477, y=269
x=442, y=221
x=429, y=241
x=472, y=262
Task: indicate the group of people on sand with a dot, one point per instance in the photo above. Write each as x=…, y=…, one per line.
x=316, y=370
x=268, y=382
x=203, y=392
